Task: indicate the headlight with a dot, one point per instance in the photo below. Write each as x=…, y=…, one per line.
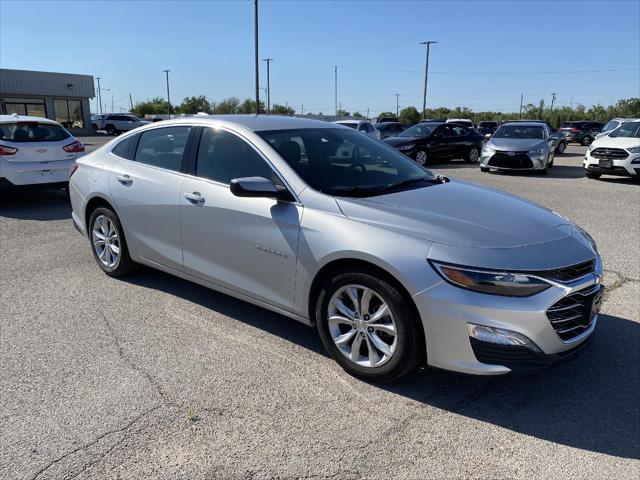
x=405, y=147
x=634, y=150
x=537, y=151
x=510, y=284
x=487, y=149
x=591, y=146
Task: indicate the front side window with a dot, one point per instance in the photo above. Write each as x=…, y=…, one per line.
x=628, y=130
x=343, y=162
x=163, y=147
x=223, y=156
x=420, y=130
x=32, y=132
x=520, y=132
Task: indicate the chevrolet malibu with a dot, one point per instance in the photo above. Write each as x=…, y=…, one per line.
x=395, y=266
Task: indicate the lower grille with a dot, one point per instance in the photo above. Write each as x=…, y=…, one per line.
x=609, y=153
x=574, y=314
x=517, y=160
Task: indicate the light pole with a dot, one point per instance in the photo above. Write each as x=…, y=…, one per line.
x=99, y=96
x=426, y=76
x=109, y=90
x=553, y=100
x=268, y=60
x=168, y=98
x=397, y=105
x=335, y=72
x=257, y=64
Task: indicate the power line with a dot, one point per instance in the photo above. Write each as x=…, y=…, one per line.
x=544, y=72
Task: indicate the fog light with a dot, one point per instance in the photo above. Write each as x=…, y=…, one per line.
x=500, y=336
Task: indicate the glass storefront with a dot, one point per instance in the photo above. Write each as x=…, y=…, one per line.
x=33, y=107
x=69, y=112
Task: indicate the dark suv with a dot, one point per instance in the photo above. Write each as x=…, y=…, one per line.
x=487, y=127
x=390, y=129
x=581, y=132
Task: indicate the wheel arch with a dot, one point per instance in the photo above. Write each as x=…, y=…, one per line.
x=92, y=204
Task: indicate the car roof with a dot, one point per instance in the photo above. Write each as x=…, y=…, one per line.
x=458, y=120
x=25, y=118
x=348, y=121
x=258, y=123
x=530, y=123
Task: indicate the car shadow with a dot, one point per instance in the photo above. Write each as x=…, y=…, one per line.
x=35, y=203
x=590, y=402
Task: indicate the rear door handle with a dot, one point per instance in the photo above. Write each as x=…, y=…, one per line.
x=124, y=179
x=194, y=197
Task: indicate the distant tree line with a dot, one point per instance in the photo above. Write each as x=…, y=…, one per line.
x=629, y=107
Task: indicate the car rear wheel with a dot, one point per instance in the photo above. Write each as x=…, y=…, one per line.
x=586, y=141
x=108, y=244
x=562, y=147
x=368, y=327
x=473, y=156
x=111, y=130
x=421, y=157
x=593, y=176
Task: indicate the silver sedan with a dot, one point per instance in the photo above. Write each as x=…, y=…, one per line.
x=396, y=267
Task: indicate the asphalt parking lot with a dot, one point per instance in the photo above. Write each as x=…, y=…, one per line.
x=154, y=377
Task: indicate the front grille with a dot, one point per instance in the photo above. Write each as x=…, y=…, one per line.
x=609, y=153
x=570, y=273
x=517, y=160
x=574, y=314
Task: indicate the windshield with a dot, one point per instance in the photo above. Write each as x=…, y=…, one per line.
x=628, y=130
x=519, y=131
x=32, y=132
x=420, y=130
x=343, y=162
x=611, y=125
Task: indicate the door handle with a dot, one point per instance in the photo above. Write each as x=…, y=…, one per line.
x=124, y=179
x=194, y=197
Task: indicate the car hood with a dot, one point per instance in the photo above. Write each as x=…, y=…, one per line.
x=397, y=141
x=460, y=214
x=515, y=144
x=617, y=142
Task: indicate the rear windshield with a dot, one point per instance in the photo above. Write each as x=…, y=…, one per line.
x=569, y=124
x=348, y=124
x=32, y=132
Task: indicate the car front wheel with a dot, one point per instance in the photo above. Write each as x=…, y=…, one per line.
x=421, y=157
x=562, y=147
x=586, y=141
x=108, y=244
x=368, y=328
x=591, y=175
x=473, y=155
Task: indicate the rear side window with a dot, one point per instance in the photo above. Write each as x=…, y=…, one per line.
x=32, y=132
x=222, y=156
x=163, y=147
x=127, y=147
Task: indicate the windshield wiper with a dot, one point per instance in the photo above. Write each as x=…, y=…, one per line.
x=352, y=191
x=435, y=179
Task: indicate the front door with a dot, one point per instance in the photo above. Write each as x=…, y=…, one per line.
x=248, y=245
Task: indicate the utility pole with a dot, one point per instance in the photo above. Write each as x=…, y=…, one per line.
x=109, y=90
x=302, y=110
x=553, y=99
x=99, y=95
x=397, y=105
x=255, y=32
x=168, y=98
x=521, y=100
x=426, y=76
x=335, y=71
x=130, y=102
x=268, y=60
x=367, y=113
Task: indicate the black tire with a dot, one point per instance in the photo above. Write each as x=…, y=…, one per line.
x=410, y=347
x=562, y=146
x=485, y=169
x=111, y=130
x=470, y=155
x=592, y=175
x=544, y=171
x=94, y=127
x=418, y=156
x=124, y=264
x=586, y=141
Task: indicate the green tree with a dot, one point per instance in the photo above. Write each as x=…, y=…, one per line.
x=249, y=106
x=357, y=115
x=282, y=110
x=227, y=106
x=386, y=114
x=193, y=105
x=409, y=115
x=150, y=107
x=343, y=113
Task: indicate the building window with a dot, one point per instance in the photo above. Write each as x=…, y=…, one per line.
x=69, y=112
x=33, y=107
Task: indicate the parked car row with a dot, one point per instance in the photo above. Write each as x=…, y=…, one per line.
x=116, y=124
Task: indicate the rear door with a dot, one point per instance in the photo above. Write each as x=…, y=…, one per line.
x=146, y=187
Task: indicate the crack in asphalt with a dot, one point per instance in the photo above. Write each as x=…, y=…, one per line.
x=622, y=280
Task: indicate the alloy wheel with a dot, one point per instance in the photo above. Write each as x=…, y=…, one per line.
x=421, y=157
x=106, y=242
x=473, y=155
x=362, y=326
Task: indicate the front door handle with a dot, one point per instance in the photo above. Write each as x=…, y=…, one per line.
x=194, y=197
x=124, y=179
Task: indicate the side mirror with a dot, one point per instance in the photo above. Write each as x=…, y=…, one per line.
x=437, y=137
x=487, y=136
x=258, y=187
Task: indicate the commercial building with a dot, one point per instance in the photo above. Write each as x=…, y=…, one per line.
x=63, y=97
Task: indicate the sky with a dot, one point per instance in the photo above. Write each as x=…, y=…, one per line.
x=488, y=52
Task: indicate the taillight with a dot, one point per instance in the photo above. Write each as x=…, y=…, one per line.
x=72, y=170
x=75, y=147
x=7, y=150
x=575, y=130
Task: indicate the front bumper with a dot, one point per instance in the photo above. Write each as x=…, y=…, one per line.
x=522, y=161
x=34, y=173
x=447, y=311
x=627, y=167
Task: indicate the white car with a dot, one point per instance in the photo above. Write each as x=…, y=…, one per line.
x=613, y=124
x=363, y=126
x=617, y=153
x=35, y=150
x=118, y=123
x=465, y=122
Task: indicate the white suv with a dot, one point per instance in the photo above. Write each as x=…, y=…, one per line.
x=617, y=153
x=115, y=124
x=363, y=126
